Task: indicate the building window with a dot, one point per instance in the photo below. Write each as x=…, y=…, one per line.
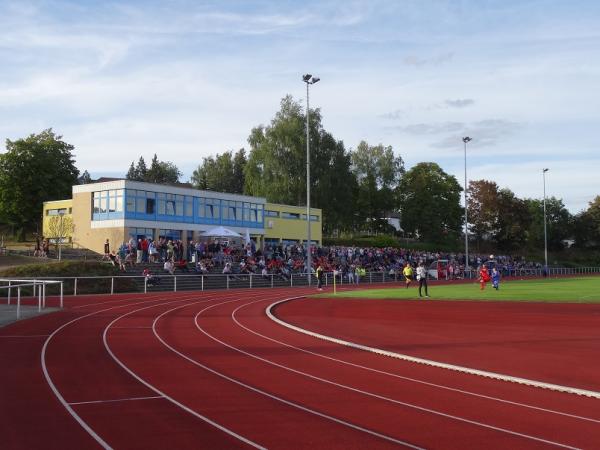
x=288, y=215
x=269, y=213
x=313, y=217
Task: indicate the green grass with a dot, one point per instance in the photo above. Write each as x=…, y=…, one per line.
x=571, y=290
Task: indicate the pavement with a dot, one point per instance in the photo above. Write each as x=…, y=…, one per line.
x=8, y=313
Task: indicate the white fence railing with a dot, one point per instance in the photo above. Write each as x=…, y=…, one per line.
x=182, y=282
x=38, y=287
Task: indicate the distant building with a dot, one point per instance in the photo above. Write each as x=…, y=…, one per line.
x=122, y=209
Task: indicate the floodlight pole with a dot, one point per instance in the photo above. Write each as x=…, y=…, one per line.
x=465, y=140
x=308, y=79
x=545, y=233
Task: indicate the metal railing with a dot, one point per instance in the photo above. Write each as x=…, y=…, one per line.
x=38, y=287
x=182, y=282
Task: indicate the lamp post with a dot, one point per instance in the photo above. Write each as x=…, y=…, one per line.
x=545, y=234
x=308, y=79
x=60, y=233
x=465, y=140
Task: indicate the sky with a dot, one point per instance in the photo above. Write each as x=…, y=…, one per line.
x=190, y=79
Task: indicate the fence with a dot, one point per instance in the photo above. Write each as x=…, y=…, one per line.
x=37, y=286
x=185, y=282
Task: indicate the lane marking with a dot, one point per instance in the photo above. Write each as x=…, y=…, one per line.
x=272, y=396
x=115, y=400
x=428, y=362
x=53, y=387
x=402, y=377
x=163, y=394
x=377, y=396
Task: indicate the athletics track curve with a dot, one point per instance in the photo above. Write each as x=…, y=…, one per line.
x=211, y=370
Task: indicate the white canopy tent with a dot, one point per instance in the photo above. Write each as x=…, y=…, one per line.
x=221, y=231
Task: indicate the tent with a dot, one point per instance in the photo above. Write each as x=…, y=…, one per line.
x=221, y=232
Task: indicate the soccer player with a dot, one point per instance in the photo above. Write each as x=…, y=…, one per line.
x=495, y=278
x=484, y=276
x=408, y=274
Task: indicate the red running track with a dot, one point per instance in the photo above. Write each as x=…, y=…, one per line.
x=211, y=370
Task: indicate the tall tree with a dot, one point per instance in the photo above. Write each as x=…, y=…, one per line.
x=378, y=172
x=587, y=226
x=34, y=170
x=430, y=203
x=483, y=208
x=559, y=223
x=160, y=172
x=85, y=178
x=223, y=173
x=513, y=221
x=276, y=167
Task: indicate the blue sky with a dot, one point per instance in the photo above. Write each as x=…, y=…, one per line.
x=189, y=79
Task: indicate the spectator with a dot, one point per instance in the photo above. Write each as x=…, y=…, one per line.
x=169, y=267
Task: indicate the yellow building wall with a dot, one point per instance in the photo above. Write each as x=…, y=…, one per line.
x=84, y=235
x=47, y=214
x=282, y=228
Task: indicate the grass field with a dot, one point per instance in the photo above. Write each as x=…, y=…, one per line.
x=571, y=290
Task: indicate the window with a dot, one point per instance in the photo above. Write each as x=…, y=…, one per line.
x=189, y=206
x=269, y=213
x=57, y=212
x=288, y=215
x=150, y=206
x=313, y=217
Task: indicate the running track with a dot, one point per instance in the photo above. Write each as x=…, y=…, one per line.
x=211, y=370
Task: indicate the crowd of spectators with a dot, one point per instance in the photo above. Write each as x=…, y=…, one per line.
x=221, y=256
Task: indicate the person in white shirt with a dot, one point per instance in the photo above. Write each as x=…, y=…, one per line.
x=422, y=277
x=169, y=266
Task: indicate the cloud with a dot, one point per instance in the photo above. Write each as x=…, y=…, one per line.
x=415, y=61
x=459, y=102
x=431, y=128
x=485, y=133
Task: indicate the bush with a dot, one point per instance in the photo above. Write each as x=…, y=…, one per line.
x=72, y=269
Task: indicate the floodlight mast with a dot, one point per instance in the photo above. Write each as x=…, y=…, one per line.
x=308, y=79
x=545, y=234
x=466, y=139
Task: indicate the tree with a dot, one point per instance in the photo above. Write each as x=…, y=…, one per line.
x=223, y=173
x=160, y=172
x=60, y=228
x=586, y=226
x=559, y=223
x=85, y=178
x=513, y=221
x=276, y=167
x=378, y=173
x=483, y=209
x=430, y=203
x=33, y=170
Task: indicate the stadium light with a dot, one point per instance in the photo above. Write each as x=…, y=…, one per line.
x=466, y=139
x=545, y=234
x=308, y=79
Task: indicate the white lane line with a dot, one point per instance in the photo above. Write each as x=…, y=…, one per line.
x=271, y=396
x=381, y=397
x=115, y=400
x=163, y=394
x=131, y=328
x=394, y=375
x=53, y=387
x=428, y=362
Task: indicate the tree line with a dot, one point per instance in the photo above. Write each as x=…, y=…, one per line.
x=357, y=188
